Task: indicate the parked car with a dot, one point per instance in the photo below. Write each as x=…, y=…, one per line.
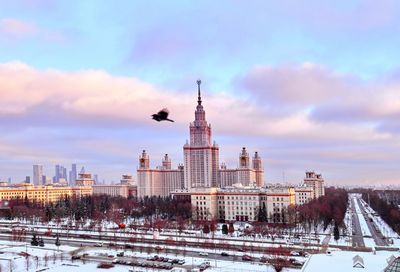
x=263, y=259
x=203, y=254
x=98, y=244
x=247, y=258
x=294, y=253
x=224, y=254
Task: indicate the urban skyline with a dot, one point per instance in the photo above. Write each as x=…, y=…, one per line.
x=308, y=90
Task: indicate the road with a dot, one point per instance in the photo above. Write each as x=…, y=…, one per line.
x=376, y=234
x=358, y=240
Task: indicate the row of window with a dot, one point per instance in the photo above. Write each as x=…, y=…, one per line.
x=238, y=203
x=238, y=197
x=237, y=208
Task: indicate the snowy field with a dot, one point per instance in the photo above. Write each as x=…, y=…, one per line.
x=20, y=257
x=53, y=260
x=343, y=261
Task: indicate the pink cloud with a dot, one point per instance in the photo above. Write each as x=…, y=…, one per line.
x=18, y=28
x=101, y=97
x=14, y=29
x=75, y=113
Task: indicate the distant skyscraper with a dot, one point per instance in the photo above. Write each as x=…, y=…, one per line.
x=37, y=174
x=201, y=155
x=73, y=175
x=60, y=174
x=44, y=180
x=96, y=179
x=27, y=179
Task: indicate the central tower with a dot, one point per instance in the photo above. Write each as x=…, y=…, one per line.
x=201, y=155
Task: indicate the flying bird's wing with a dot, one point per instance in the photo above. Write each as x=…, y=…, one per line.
x=163, y=114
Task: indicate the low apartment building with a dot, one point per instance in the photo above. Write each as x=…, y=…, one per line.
x=46, y=194
x=303, y=194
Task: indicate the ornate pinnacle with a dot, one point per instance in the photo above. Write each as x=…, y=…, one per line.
x=198, y=90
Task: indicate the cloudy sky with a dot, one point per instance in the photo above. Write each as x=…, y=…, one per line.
x=309, y=85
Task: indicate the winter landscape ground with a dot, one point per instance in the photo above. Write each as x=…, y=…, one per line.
x=82, y=249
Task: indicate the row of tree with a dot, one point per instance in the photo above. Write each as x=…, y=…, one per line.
x=328, y=209
x=388, y=210
x=100, y=207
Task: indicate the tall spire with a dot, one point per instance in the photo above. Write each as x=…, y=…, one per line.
x=198, y=90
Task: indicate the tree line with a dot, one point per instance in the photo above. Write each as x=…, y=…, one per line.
x=330, y=208
x=100, y=207
x=387, y=209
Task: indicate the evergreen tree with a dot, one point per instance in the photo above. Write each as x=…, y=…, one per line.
x=206, y=229
x=58, y=241
x=224, y=229
x=336, y=233
x=262, y=213
x=34, y=241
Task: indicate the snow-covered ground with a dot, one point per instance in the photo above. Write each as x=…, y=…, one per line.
x=13, y=258
x=343, y=261
x=53, y=260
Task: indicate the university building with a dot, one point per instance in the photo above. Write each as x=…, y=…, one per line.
x=201, y=168
x=160, y=181
x=126, y=188
x=244, y=203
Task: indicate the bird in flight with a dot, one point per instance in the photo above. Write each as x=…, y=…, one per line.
x=162, y=115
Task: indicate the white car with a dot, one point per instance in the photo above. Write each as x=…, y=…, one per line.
x=203, y=254
x=294, y=253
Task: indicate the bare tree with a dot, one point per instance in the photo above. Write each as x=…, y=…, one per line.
x=28, y=262
x=46, y=259
x=11, y=266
